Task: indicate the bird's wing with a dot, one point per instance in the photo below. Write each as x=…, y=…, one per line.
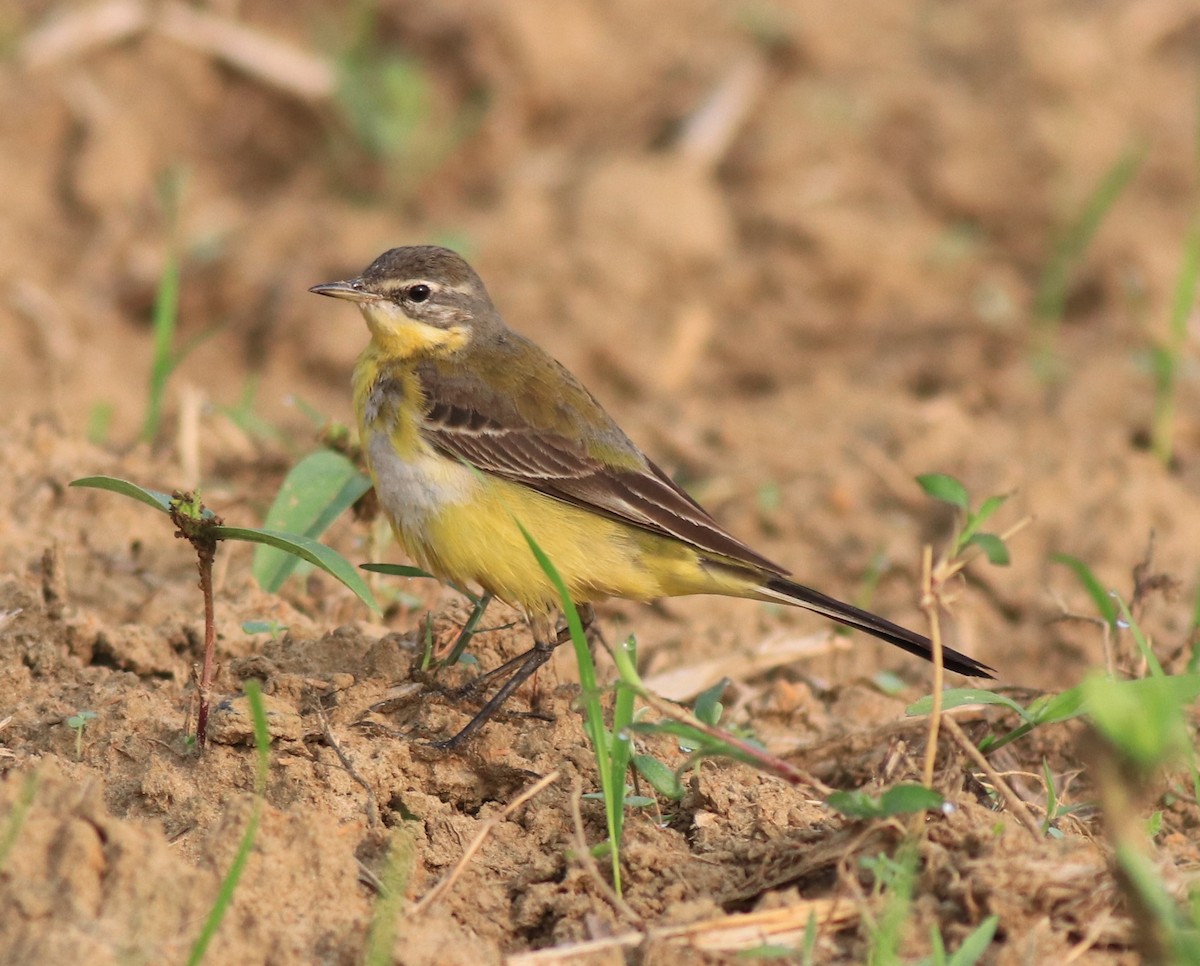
x=491, y=430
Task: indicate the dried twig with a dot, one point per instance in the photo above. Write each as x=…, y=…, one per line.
x=775, y=650
x=71, y=35
x=272, y=61
x=1011, y=798
x=728, y=934
x=276, y=62
x=476, y=843
x=332, y=742
x=707, y=135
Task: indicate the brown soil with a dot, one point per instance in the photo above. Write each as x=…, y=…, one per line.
x=796, y=318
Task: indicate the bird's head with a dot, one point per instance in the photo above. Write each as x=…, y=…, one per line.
x=418, y=298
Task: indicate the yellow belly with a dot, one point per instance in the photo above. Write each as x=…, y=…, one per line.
x=462, y=526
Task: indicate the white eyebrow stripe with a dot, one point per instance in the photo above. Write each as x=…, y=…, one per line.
x=393, y=284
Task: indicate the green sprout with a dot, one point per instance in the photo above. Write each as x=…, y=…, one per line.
x=1050, y=300
x=204, y=530
x=78, y=722
x=1167, y=356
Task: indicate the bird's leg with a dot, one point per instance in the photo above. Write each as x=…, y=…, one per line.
x=481, y=682
x=587, y=617
x=526, y=665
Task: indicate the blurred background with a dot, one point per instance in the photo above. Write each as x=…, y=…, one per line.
x=802, y=252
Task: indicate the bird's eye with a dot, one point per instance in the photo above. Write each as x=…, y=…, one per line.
x=419, y=293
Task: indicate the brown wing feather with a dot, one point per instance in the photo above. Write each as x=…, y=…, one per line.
x=495, y=437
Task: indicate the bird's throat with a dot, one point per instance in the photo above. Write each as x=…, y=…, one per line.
x=399, y=337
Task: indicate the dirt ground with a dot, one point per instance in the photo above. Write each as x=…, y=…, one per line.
x=795, y=249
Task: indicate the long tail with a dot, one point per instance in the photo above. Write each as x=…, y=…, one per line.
x=792, y=593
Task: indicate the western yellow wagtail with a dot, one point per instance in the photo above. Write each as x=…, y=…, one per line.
x=468, y=428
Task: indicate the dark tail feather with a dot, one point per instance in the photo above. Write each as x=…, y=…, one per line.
x=874, y=625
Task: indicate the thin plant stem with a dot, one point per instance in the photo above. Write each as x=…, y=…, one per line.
x=205, y=557
x=1002, y=787
x=930, y=604
x=193, y=525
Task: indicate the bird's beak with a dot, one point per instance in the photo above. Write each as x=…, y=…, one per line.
x=352, y=290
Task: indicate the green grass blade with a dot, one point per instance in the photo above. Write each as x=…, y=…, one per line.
x=593, y=717
x=166, y=309
x=1143, y=645
x=328, y=559
x=478, y=606
x=16, y=818
x=396, y=570
x=1100, y=597
x=262, y=744
x=976, y=944
x=1050, y=300
x=1167, y=367
x=381, y=936
x=160, y=501
x=621, y=743
x=315, y=492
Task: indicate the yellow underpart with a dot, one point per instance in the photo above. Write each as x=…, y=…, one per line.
x=478, y=541
x=461, y=524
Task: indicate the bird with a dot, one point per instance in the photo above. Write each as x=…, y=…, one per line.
x=477, y=440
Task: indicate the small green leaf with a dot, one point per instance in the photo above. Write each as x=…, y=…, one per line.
x=1052, y=708
x=855, y=804
x=993, y=548
x=708, y=707
x=889, y=682
x=160, y=501
x=263, y=627
x=904, y=799
x=957, y=697
x=661, y=778
x=945, y=488
x=909, y=798
x=1100, y=597
x=317, y=490
x=329, y=560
